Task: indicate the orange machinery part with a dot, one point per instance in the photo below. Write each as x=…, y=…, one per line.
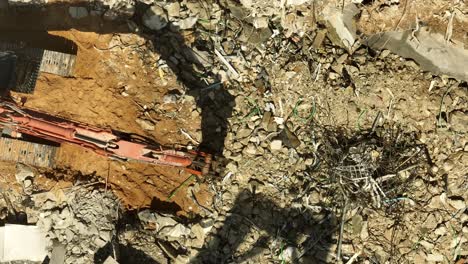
x=101, y=141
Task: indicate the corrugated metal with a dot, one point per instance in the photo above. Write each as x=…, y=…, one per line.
x=27, y=152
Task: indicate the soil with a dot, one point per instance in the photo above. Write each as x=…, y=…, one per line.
x=93, y=95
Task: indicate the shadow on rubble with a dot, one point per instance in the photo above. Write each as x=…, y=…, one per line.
x=216, y=103
x=268, y=227
x=127, y=255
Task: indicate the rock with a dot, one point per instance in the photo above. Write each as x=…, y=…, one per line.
x=69, y=235
x=146, y=125
x=173, y=10
x=26, y=3
x=297, y=2
x=199, y=232
x=276, y=144
x=458, y=204
x=76, y=250
x=178, y=231
x=448, y=165
x=319, y=38
x=99, y=242
x=459, y=121
x=430, y=51
x=250, y=149
x=155, y=18
x=23, y=172
x=105, y=235
x=435, y=257
x=186, y=23
x=58, y=254
x=266, y=120
x=207, y=224
x=440, y=231
x=341, y=27
x=254, y=36
x=428, y=246
x=261, y=22
x=232, y=167
x=290, y=253
x=119, y=9
x=289, y=139
x=170, y=98
x=110, y=260
x=384, y=53
x=147, y=2
x=243, y=133
x=78, y=12
x=197, y=9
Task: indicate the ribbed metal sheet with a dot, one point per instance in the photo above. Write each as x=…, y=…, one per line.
x=27, y=71
x=27, y=152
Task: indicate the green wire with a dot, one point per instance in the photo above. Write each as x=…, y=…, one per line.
x=311, y=114
x=358, y=122
x=281, y=254
x=179, y=187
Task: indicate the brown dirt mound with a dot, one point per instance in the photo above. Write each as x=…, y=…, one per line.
x=93, y=95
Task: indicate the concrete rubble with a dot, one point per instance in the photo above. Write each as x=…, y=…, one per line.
x=431, y=51
x=342, y=29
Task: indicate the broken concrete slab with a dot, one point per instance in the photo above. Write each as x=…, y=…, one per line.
x=21, y=242
x=429, y=50
x=254, y=36
x=58, y=254
x=341, y=26
x=110, y=260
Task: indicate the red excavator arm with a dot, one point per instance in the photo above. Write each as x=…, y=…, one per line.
x=16, y=121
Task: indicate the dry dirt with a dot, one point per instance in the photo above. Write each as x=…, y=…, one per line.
x=378, y=16
x=94, y=96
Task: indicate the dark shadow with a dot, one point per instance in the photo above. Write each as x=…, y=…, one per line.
x=127, y=255
x=215, y=103
x=38, y=40
x=124, y=254
x=288, y=225
x=161, y=206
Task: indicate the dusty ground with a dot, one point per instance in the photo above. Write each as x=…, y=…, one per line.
x=277, y=204
x=379, y=16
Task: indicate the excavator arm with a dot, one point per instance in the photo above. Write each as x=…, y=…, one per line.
x=17, y=121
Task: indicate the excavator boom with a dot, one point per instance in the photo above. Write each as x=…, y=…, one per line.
x=17, y=121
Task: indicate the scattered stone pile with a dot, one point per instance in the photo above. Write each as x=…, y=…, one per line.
x=82, y=220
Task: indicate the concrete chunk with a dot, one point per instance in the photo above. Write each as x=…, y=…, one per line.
x=429, y=50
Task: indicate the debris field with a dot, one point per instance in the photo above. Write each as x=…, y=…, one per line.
x=222, y=131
